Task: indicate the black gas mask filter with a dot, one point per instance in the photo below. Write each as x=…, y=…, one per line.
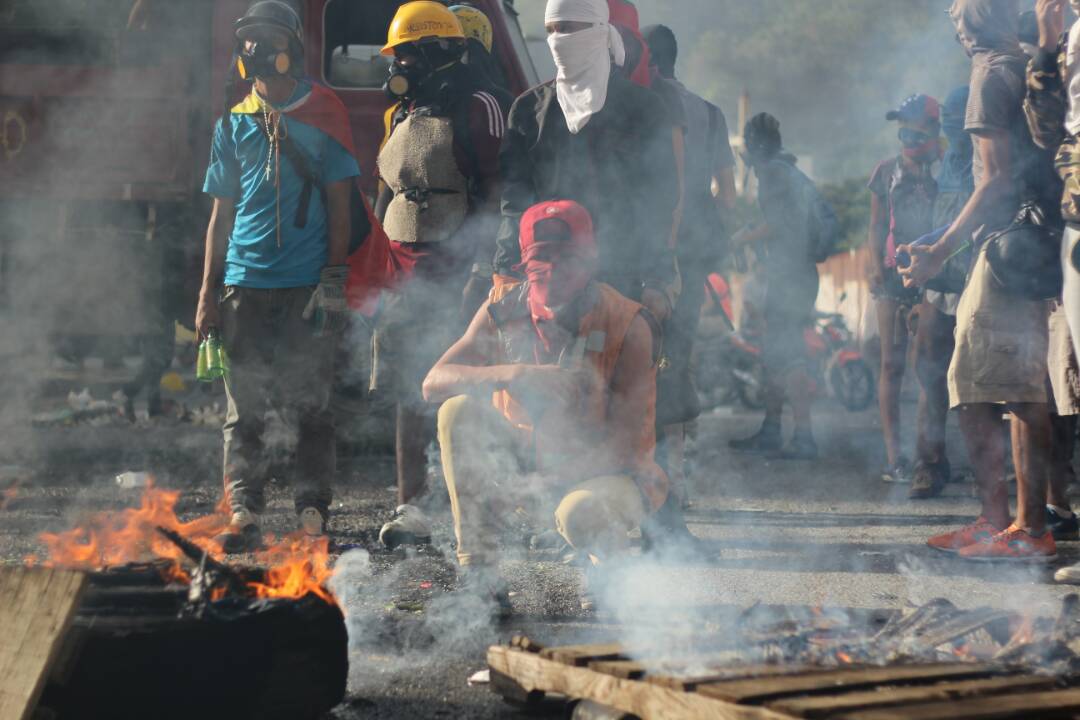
x=262, y=59
x=428, y=59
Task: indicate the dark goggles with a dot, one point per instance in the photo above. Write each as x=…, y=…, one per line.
x=913, y=138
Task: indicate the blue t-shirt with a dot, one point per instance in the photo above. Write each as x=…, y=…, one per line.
x=237, y=171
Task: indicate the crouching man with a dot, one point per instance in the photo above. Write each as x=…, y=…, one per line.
x=548, y=402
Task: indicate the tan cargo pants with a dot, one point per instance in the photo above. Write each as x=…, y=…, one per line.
x=483, y=459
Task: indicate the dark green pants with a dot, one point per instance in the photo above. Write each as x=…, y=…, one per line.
x=276, y=359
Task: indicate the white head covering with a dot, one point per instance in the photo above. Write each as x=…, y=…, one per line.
x=583, y=58
x=1072, y=79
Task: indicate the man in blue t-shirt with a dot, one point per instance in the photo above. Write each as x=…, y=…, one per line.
x=274, y=277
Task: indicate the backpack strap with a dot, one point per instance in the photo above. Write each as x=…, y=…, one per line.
x=302, y=167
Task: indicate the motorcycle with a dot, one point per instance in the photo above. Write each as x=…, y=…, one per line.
x=730, y=366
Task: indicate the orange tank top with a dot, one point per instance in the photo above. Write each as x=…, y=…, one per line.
x=560, y=435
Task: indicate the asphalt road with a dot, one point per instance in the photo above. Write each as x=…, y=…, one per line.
x=822, y=533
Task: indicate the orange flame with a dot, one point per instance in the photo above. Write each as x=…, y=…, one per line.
x=297, y=565
x=130, y=535
x=844, y=657
x=1025, y=632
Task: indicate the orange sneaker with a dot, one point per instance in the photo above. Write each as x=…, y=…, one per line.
x=1013, y=544
x=979, y=531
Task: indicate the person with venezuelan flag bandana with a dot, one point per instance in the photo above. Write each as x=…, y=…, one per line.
x=275, y=267
x=902, y=196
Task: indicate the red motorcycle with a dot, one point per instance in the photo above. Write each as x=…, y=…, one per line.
x=729, y=366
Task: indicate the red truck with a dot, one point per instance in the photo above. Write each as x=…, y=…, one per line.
x=106, y=113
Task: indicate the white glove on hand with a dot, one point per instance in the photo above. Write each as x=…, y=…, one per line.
x=328, y=304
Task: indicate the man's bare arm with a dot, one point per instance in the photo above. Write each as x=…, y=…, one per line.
x=992, y=189
x=463, y=368
x=222, y=216
x=339, y=220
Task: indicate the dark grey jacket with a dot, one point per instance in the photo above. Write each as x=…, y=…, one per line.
x=620, y=167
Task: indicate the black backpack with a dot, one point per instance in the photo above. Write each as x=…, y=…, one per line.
x=823, y=236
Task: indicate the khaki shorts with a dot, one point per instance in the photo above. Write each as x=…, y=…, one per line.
x=1061, y=362
x=1001, y=345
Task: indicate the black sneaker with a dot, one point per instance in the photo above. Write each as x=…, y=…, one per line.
x=485, y=582
x=765, y=440
x=664, y=534
x=928, y=480
x=242, y=535
x=1062, y=528
x=800, y=448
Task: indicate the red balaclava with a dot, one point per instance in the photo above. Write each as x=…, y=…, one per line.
x=563, y=230
x=625, y=15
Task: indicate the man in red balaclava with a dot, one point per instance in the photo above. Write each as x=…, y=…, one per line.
x=548, y=403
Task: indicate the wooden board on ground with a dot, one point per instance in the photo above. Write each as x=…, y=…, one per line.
x=650, y=702
x=652, y=689
x=582, y=655
x=627, y=669
x=1048, y=704
x=829, y=706
x=758, y=690
x=36, y=608
x=691, y=681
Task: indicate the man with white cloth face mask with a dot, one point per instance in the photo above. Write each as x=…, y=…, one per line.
x=594, y=137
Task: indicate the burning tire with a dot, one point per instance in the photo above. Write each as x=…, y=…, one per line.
x=135, y=656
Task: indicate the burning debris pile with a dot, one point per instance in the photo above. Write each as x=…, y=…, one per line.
x=295, y=565
x=932, y=661
x=936, y=632
x=165, y=627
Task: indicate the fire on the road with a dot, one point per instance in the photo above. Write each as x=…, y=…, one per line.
x=296, y=565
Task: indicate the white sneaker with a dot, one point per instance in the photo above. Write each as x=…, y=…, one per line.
x=1070, y=574
x=409, y=526
x=311, y=522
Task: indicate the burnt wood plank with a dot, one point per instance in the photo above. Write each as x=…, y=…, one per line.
x=36, y=609
x=1021, y=706
x=628, y=669
x=531, y=673
x=581, y=655
x=522, y=642
x=691, y=680
x=758, y=690
x=827, y=706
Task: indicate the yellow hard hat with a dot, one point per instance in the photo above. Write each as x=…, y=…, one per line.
x=475, y=24
x=422, y=20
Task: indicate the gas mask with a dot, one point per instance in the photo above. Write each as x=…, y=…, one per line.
x=262, y=60
x=405, y=80
x=427, y=60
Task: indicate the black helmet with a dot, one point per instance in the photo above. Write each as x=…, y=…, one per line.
x=271, y=13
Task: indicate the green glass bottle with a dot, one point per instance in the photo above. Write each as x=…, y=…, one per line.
x=213, y=361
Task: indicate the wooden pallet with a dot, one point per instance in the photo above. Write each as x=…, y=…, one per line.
x=526, y=672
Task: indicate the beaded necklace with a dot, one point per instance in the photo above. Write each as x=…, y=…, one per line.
x=275, y=130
